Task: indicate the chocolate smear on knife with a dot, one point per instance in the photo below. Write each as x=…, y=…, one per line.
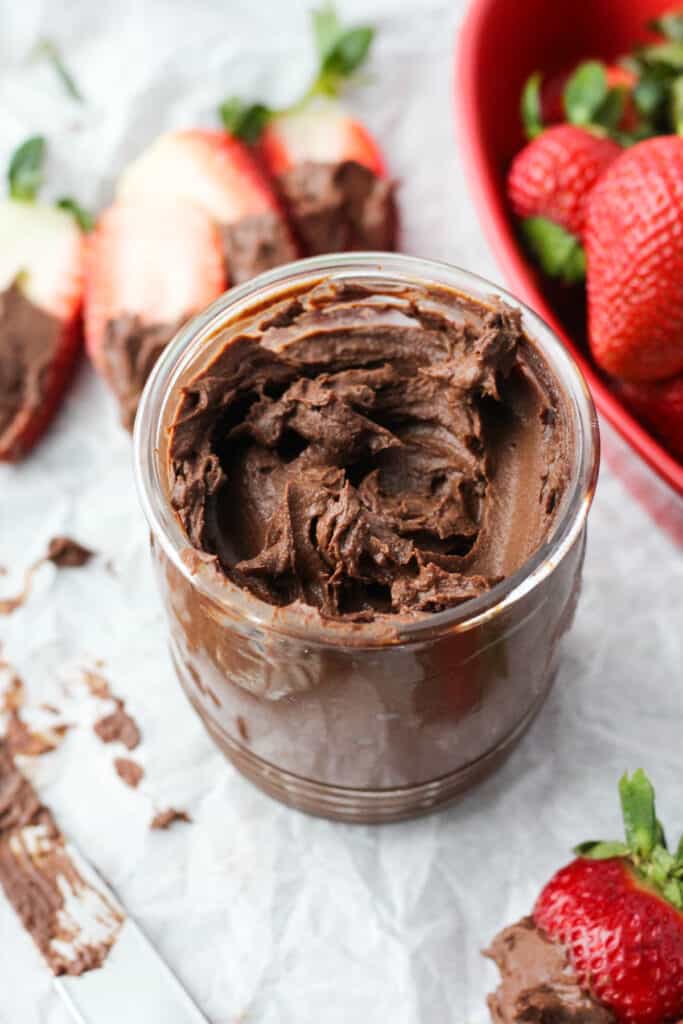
x=72, y=923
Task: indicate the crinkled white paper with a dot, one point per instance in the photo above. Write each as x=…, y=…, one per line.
x=266, y=915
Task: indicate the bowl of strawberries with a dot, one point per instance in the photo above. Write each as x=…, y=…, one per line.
x=572, y=131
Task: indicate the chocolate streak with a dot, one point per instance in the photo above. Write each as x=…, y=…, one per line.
x=40, y=880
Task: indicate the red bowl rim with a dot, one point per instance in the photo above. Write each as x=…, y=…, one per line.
x=496, y=225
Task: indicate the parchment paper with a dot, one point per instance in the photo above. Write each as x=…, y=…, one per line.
x=266, y=915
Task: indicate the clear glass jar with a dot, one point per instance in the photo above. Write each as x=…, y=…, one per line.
x=333, y=720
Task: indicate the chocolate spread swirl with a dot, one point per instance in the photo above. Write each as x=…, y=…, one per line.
x=371, y=451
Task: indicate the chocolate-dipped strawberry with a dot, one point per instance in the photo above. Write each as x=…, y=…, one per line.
x=219, y=174
x=41, y=291
x=328, y=169
x=151, y=266
x=605, y=942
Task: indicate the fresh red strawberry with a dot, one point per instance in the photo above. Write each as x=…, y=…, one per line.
x=554, y=174
x=218, y=173
x=634, y=248
x=617, y=910
x=660, y=406
x=151, y=265
x=326, y=136
x=41, y=291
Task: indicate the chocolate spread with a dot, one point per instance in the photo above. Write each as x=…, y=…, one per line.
x=371, y=454
x=339, y=207
x=29, y=340
x=538, y=983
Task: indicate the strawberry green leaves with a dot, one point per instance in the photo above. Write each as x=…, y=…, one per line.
x=590, y=102
x=244, y=120
x=341, y=51
x=50, y=51
x=25, y=178
x=645, y=845
x=638, y=808
x=558, y=253
x=25, y=172
x=669, y=25
x=530, y=106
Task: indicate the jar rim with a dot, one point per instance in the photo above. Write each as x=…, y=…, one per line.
x=186, y=347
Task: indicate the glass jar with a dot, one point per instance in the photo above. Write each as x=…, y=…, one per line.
x=326, y=716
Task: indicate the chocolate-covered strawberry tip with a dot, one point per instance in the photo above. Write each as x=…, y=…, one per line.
x=606, y=936
x=41, y=288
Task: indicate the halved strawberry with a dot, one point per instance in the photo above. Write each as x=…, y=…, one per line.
x=327, y=136
x=217, y=173
x=152, y=264
x=660, y=406
x=41, y=291
x=332, y=176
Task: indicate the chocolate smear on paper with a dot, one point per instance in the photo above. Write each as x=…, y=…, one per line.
x=66, y=553
x=63, y=552
x=118, y=726
x=129, y=771
x=164, y=819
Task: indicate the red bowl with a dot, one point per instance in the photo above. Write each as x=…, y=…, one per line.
x=501, y=43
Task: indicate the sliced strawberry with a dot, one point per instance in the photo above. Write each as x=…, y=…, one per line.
x=332, y=177
x=660, y=407
x=219, y=174
x=327, y=136
x=41, y=289
x=151, y=265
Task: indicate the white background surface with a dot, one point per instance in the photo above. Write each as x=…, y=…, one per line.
x=266, y=915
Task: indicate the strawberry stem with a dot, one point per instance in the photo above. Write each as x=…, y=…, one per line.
x=645, y=847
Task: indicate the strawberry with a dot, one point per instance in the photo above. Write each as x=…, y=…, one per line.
x=554, y=174
x=634, y=247
x=41, y=290
x=618, y=910
x=660, y=406
x=548, y=187
x=327, y=167
x=151, y=265
x=330, y=173
x=218, y=173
